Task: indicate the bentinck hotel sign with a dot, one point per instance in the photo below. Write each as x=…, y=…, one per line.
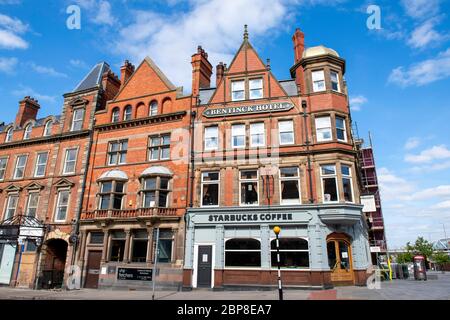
x=242, y=110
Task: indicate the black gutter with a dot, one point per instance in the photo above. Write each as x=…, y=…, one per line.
x=307, y=142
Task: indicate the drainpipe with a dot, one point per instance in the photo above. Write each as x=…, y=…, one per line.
x=307, y=142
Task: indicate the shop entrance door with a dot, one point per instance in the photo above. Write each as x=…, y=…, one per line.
x=204, y=266
x=7, y=253
x=93, y=269
x=340, y=258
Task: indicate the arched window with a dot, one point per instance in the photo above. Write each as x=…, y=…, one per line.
x=48, y=128
x=27, y=133
x=243, y=252
x=111, y=194
x=9, y=135
x=127, y=113
x=294, y=253
x=115, y=115
x=153, y=108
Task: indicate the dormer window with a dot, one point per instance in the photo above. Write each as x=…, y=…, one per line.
x=318, y=78
x=27, y=133
x=256, y=88
x=9, y=135
x=77, y=119
x=48, y=128
x=238, y=90
x=334, y=76
x=115, y=115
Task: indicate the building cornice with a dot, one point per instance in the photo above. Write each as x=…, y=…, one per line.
x=47, y=139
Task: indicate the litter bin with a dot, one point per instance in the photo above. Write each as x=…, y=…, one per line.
x=420, y=272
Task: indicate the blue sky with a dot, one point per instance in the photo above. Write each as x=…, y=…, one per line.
x=398, y=76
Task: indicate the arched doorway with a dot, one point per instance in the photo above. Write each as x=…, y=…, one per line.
x=340, y=258
x=54, y=264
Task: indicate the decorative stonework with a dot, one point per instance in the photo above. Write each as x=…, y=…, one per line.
x=58, y=234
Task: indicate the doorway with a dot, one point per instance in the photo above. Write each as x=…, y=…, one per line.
x=204, y=267
x=7, y=254
x=93, y=269
x=340, y=258
x=54, y=264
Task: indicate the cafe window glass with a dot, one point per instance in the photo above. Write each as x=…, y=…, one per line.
x=210, y=188
x=249, y=187
x=243, y=252
x=329, y=183
x=118, y=239
x=140, y=242
x=294, y=253
x=289, y=185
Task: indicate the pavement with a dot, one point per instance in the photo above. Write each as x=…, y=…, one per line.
x=436, y=288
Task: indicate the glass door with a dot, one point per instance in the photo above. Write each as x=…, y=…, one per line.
x=339, y=259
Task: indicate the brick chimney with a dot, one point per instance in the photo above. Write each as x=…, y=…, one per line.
x=299, y=47
x=220, y=69
x=201, y=71
x=111, y=86
x=125, y=72
x=28, y=109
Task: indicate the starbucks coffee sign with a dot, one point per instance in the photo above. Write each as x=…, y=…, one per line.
x=250, y=109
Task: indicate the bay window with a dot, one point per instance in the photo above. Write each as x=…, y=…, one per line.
x=210, y=188
x=318, y=78
x=242, y=253
x=155, y=192
x=211, y=138
x=238, y=90
x=289, y=185
x=257, y=134
x=286, y=130
x=111, y=195
x=334, y=76
x=323, y=129
x=341, y=132
x=249, y=187
x=294, y=253
x=347, y=182
x=329, y=183
x=238, y=135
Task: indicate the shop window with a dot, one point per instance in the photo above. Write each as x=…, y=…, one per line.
x=249, y=187
x=153, y=108
x=323, y=129
x=41, y=164
x=256, y=88
x=127, y=113
x=289, y=185
x=48, y=128
x=62, y=205
x=211, y=138
x=77, y=119
x=70, y=161
x=117, y=152
x=111, y=195
x=334, y=76
x=9, y=135
x=96, y=237
x=347, y=183
x=32, y=204
x=329, y=183
x=140, y=242
x=155, y=191
x=159, y=147
x=19, y=170
x=318, y=78
x=115, y=115
x=27, y=132
x=3, y=163
x=238, y=135
x=210, y=188
x=243, y=253
x=238, y=90
x=257, y=134
x=286, y=130
x=30, y=245
x=294, y=253
x=11, y=206
x=341, y=133
x=117, y=246
x=331, y=249
x=165, y=245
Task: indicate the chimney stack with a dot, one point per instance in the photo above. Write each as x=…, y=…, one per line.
x=201, y=71
x=125, y=72
x=299, y=44
x=28, y=109
x=220, y=69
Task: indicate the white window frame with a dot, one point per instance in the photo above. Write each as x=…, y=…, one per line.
x=3, y=170
x=292, y=130
x=65, y=161
x=349, y=177
x=337, y=80
x=252, y=89
x=28, y=203
x=297, y=178
x=233, y=129
x=209, y=136
x=322, y=176
x=9, y=135
x=344, y=129
x=234, y=83
x=76, y=120
x=210, y=182
x=253, y=128
x=8, y=202
x=115, y=115
x=16, y=166
x=57, y=205
x=249, y=180
x=48, y=128
x=317, y=77
x=36, y=166
x=27, y=131
x=328, y=129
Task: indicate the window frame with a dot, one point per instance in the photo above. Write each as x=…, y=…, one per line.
x=250, y=89
x=274, y=266
x=15, y=177
x=111, y=194
x=48, y=128
x=66, y=152
x=115, y=115
x=152, y=106
x=202, y=183
x=7, y=207
x=3, y=169
x=344, y=129
x=314, y=82
x=75, y=121
x=225, y=250
x=36, y=165
x=156, y=191
x=127, y=113
x=293, y=132
x=118, y=153
x=335, y=176
x=296, y=178
x=329, y=129
x=30, y=194
x=27, y=131
x=208, y=137
x=234, y=125
x=249, y=180
x=159, y=147
x=58, y=205
x=233, y=82
x=9, y=134
x=350, y=178
x=337, y=81
x=263, y=144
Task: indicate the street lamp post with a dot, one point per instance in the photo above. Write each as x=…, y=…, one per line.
x=280, y=288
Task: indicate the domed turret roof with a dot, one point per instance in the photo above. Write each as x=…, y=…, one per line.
x=319, y=51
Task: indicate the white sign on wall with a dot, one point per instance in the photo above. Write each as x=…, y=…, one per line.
x=369, y=203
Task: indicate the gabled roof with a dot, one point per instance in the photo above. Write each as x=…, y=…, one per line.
x=93, y=78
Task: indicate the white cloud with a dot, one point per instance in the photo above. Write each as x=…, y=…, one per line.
x=356, y=102
x=430, y=193
x=9, y=30
x=412, y=143
x=23, y=91
x=429, y=155
x=7, y=65
x=78, y=63
x=442, y=205
x=420, y=9
x=12, y=24
x=47, y=71
x=393, y=187
x=424, y=72
x=425, y=34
